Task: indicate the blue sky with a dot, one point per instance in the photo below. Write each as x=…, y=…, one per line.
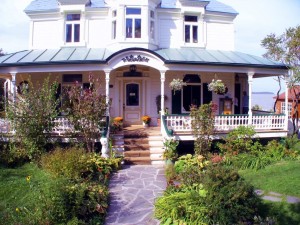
x=256, y=19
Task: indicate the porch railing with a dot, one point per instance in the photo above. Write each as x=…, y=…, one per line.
x=183, y=123
x=62, y=126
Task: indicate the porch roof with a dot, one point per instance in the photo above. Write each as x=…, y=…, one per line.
x=80, y=55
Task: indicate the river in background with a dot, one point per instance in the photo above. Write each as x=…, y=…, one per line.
x=264, y=99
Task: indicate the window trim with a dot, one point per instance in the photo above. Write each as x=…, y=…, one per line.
x=191, y=25
x=73, y=23
x=134, y=18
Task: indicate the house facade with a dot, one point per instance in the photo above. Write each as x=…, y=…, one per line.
x=136, y=50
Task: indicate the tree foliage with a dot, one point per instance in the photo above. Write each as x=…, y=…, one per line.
x=286, y=49
x=87, y=111
x=32, y=116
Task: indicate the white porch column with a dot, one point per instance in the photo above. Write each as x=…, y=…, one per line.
x=104, y=140
x=286, y=97
x=162, y=99
x=250, y=83
x=13, y=86
x=162, y=91
x=107, y=78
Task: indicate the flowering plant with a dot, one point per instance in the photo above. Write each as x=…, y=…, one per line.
x=217, y=86
x=118, y=119
x=146, y=119
x=177, y=84
x=116, y=124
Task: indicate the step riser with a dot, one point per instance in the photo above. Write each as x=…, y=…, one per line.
x=137, y=154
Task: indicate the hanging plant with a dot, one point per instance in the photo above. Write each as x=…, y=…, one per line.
x=177, y=85
x=217, y=86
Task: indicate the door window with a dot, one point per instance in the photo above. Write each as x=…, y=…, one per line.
x=132, y=94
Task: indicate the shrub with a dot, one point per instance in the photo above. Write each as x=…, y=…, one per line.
x=238, y=141
x=12, y=155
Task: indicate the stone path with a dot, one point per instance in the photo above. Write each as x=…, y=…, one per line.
x=133, y=191
x=276, y=197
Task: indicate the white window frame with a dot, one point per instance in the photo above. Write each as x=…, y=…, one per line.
x=114, y=25
x=133, y=17
x=152, y=32
x=73, y=23
x=290, y=107
x=191, y=24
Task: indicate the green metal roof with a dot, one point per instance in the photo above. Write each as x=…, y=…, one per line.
x=196, y=56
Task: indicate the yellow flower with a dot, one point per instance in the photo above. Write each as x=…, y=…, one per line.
x=17, y=210
x=28, y=178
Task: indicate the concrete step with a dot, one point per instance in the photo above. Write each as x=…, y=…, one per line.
x=138, y=153
x=137, y=160
x=136, y=147
x=130, y=141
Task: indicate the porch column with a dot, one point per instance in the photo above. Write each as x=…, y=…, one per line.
x=104, y=140
x=162, y=91
x=107, y=73
x=13, y=86
x=286, y=98
x=162, y=98
x=250, y=83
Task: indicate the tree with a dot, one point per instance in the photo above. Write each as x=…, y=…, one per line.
x=1, y=52
x=286, y=49
x=32, y=116
x=87, y=111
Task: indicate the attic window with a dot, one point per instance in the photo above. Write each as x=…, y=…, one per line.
x=133, y=23
x=72, y=28
x=191, y=29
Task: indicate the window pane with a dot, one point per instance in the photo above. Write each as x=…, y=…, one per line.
x=68, y=33
x=152, y=31
x=76, y=32
x=133, y=11
x=68, y=78
x=195, y=34
x=72, y=17
x=152, y=14
x=138, y=28
x=114, y=29
x=187, y=33
x=114, y=13
x=129, y=28
x=190, y=18
x=132, y=94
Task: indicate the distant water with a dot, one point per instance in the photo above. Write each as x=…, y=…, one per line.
x=264, y=99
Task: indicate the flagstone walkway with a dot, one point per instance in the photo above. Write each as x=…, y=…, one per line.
x=133, y=191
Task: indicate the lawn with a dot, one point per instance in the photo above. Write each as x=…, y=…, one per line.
x=21, y=192
x=282, y=177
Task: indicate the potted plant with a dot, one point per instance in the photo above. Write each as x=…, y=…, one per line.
x=170, y=154
x=217, y=86
x=116, y=124
x=146, y=120
x=177, y=85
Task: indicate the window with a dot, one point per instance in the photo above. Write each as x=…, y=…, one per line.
x=191, y=29
x=114, y=24
x=152, y=25
x=133, y=23
x=191, y=93
x=132, y=94
x=289, y=108
x=72, y=28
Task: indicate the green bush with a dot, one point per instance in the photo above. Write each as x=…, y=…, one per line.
x=12, y=155
x=230, y=200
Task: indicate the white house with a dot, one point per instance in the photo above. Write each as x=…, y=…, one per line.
x=137, y=48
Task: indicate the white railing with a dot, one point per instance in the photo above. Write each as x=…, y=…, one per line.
x=182, y=123
x=62, y=126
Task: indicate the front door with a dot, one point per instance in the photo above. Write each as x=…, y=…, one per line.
x=132, y=104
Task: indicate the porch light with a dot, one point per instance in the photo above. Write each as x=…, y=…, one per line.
x=132, y=68
x=237, y=78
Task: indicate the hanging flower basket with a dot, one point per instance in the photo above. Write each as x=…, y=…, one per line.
x=217, y=86
x=177, y=85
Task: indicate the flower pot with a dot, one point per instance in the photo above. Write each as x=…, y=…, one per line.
x=145, y=124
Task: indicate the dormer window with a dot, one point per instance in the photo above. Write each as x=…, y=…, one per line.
x=191, y=29
x=72, y=28
x=133, y=23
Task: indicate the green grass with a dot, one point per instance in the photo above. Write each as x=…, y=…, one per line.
x=282, y=177
x=16, y=193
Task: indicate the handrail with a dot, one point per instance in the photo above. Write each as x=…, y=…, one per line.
x=170, y=132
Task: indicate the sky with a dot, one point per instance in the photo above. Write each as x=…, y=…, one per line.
x=256, y=19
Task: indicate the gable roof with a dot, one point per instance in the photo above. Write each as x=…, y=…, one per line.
x=291, y=93
x=188, y=56
x=53, y=5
